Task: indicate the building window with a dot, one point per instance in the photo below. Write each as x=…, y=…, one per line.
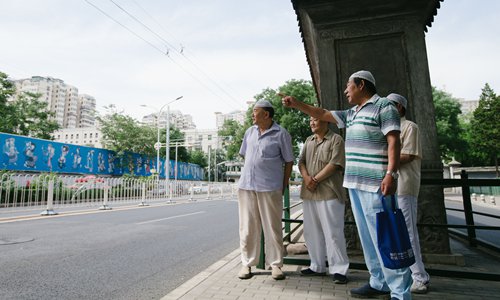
x=90, y=135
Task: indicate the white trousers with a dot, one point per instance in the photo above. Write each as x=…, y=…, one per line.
x=408, y=205
x=324, y=235
x=261, y=211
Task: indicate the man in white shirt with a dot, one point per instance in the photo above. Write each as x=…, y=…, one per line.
x=408, y=187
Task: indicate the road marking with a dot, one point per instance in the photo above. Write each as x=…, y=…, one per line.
x=173, y=217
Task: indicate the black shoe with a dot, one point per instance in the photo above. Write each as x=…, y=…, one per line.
x=339, y=278
x=366, y=291
x=309, y=272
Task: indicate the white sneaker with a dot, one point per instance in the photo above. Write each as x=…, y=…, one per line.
x=419, y=287
x=277, y=274
x=244, y=273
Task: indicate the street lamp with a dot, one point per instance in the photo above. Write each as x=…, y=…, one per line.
x=167, y=155
x=158, y=144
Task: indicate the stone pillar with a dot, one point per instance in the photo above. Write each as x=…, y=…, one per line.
x=387, y=38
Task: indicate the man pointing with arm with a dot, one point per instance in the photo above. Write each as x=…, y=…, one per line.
x=372, y=162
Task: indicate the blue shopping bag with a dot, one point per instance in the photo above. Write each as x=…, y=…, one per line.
x=392, y=237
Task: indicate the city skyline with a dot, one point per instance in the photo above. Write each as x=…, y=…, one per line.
x=215, y=67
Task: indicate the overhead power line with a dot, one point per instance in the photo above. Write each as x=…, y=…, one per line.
x=168, y=46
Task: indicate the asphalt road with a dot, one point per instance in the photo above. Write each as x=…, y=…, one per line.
x=458, y=218
x=139, y=253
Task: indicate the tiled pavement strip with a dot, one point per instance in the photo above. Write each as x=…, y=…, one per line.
x=220, y=281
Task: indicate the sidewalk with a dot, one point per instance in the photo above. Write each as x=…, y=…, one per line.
x=220, y=281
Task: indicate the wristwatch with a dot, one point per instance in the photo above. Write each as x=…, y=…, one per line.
x=394, y=175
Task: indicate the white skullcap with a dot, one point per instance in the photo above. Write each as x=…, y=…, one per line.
x=366, y=75
x=263, y=103
x=398, y=99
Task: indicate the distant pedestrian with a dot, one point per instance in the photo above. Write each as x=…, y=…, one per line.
x=372, y=161
x=322, y=164
x=410, y=162
x=267, y=150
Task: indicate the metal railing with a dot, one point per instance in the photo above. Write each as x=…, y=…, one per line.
x=465, y=183
x=23, y=191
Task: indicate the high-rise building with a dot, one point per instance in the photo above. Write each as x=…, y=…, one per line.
x=468, y=106
x=177, y=119
x=237, y=115
x=86, y=111
x=71, y=110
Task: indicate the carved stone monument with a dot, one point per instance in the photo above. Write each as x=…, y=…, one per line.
x=387, y=38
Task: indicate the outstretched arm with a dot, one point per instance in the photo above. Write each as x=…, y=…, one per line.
x=315, y=112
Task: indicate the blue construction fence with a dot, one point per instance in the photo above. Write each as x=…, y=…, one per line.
x=21, y=153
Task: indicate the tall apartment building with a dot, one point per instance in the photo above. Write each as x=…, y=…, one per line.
x=62, y=99
x=86, y=111
x=468, y=106
x=201, y=139
x=237, y=115
x=177, y=119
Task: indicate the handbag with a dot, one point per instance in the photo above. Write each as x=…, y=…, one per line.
x=392, y=237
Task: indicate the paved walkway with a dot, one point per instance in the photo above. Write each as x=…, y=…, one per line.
x=220, y=281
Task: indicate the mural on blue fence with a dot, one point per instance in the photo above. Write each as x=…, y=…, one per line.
x=21, y=153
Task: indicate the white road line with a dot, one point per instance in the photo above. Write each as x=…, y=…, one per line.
x=173, y=217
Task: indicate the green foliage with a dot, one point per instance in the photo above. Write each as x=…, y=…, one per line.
x=235, y=132
x=295, y=122
x=32, y=117
x=26, y=115
x=198, y=157
x=484, y=129
x=449, y=130
x=122, y=133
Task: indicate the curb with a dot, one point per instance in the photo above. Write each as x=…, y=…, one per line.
x=227, y=262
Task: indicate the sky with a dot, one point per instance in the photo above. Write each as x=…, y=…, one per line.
x=217, y=54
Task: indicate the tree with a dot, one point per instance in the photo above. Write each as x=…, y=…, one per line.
x=485, y=136
x=232, y=145
x=24, y=115
x=295, y=122
x=450, y=133
x=176, y=137
x=122, y=133
x=7, y=89
x=31, y=117
x=198, y=157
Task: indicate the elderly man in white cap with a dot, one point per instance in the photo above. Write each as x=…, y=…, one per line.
x=268, y=153
x=408, y=187
x=372, y=162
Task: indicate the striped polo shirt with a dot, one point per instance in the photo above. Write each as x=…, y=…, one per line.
x=365, y=143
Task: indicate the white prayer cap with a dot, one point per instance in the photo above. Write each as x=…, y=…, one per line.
x=263, y=103
x=366, y=75
x=398, y=99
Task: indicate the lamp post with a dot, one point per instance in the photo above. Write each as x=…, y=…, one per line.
x=158, y=144
x=167, y=155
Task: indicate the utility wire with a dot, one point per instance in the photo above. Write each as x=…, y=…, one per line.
x=156, y=48
x=168, y=44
